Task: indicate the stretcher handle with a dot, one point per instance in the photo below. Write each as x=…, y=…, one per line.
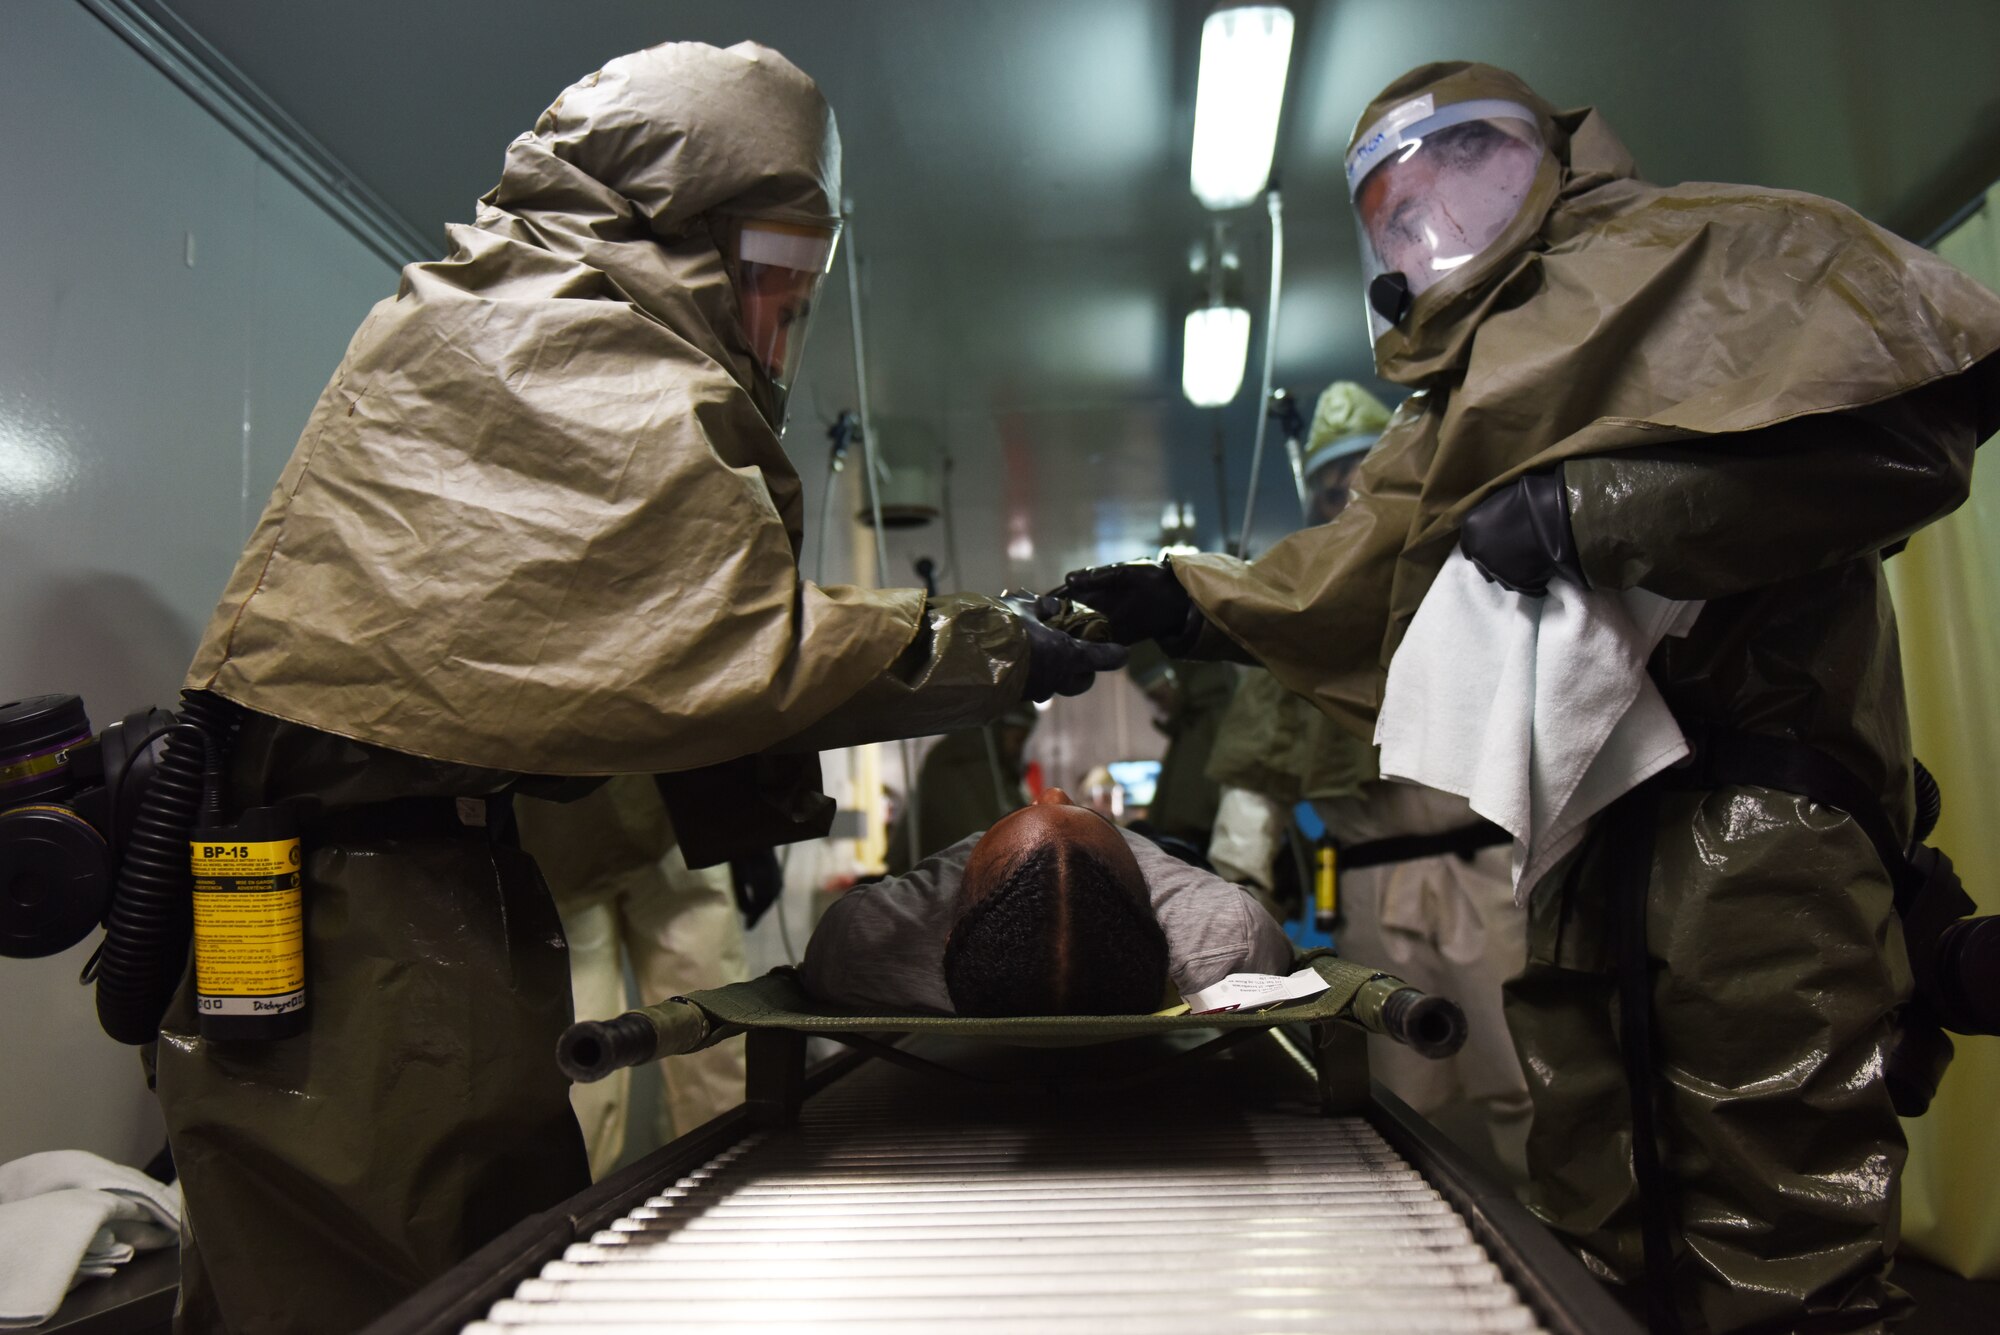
x=1384, y=1004
x=1378, y=1002
x=592, y=1049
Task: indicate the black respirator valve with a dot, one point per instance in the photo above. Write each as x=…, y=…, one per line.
x=1389, y=297
x=55, y=866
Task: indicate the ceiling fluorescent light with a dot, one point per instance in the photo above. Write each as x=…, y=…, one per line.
x=1245, y=51
x=1216, y=347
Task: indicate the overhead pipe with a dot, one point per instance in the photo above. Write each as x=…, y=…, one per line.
x=840, y=437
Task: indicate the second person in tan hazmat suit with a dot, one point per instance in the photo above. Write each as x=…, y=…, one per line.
x=1709, y=392
x=627, y=898
x=540, y=523
x=1445, y=922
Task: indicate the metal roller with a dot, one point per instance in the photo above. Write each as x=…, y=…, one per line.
x=897, y=1203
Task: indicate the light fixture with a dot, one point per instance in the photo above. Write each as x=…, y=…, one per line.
x=1216, y=337
x=1216, y=348
x=1245, y=52
x=1020, y=539
x=1177, y=533
x=907, y=469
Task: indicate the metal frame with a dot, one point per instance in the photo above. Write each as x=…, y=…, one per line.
x=1562, y=1293
x=466, y=1292
x=775, y=1112
x=1521, y=1245
x=226, y=93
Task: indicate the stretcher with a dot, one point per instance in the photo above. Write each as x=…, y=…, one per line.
x=1097, y=1175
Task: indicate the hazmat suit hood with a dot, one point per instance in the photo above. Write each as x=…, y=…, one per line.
x=540, y=519
x=672, y=145
x=1346, y=421
x=1610, y=315
x=1345, y=410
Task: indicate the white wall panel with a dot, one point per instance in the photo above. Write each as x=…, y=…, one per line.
x=169, y=309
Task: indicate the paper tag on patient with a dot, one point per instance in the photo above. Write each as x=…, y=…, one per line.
x=1256, y=991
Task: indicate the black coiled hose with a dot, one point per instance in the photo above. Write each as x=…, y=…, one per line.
x=151, y=919
x=1930, y=803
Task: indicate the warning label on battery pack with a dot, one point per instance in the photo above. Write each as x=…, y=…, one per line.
x=249, y=928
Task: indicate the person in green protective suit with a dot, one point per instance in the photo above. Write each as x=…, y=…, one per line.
x=1275, y=749
x=1191, y=699
x=969, y=779
x=539, y=524
x=629, y=902
x=1725, y=393
x=1446, y=921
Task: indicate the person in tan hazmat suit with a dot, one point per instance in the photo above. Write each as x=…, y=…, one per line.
x=1710, y=392
x=1445, y=922
x=540, y=523
x=627, y=898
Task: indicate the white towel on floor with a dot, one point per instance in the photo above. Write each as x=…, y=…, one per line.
x=67, y=1216
x=1538, y=711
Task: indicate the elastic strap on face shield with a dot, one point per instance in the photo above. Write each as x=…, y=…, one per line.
x=1410, y=122
x=1340, y=447
x=787, y=248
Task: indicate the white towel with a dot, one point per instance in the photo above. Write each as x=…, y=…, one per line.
x=1537, y=711
x=67, y=1216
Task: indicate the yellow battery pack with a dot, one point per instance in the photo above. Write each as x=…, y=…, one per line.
x=1326, y=887
x=249, y=929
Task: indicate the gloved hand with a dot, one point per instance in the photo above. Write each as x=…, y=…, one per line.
x=1519, y=537
x=1139, y=600
x=1059, y=664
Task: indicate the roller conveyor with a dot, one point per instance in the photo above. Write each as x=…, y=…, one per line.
x=1076, y=1189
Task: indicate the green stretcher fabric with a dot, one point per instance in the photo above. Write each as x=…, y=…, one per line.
x=1355, y=993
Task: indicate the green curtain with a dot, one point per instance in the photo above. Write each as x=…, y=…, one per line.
x=1947, y=592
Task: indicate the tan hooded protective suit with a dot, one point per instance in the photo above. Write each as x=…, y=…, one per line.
x=1613, y=315
x=1756, y=393
x=539, y=521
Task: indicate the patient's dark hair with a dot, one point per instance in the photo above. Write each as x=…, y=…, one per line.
x=1060, y=935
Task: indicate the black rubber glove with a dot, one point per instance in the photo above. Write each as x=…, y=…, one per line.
x=1519, y=537
x=1139, y=600
x=1060, y=664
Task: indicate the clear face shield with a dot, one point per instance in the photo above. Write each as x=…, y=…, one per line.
x=778, y=268
x=1329, y=471
x=1432, y=190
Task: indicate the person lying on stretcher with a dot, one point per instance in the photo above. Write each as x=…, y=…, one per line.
x=1052, y=911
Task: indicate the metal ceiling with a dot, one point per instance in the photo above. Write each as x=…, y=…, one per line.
x=1019, y=169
